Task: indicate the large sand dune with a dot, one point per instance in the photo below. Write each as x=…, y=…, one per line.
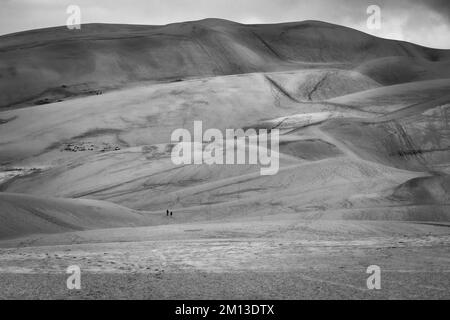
x=85, y=163
x=23, y=215
x=57, y=63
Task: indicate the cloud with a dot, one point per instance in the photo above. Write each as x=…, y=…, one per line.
x=441, y=7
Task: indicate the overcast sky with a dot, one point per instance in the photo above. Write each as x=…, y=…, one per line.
x=426, y=22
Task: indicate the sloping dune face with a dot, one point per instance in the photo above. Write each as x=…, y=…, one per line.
x=22, y=215
x=364, y=125
x=48, y=65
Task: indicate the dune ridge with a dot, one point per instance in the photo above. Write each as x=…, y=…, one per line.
x=48, y=65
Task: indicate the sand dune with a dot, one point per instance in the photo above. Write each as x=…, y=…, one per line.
x=147, y=114
x=395, y=70
x=85, y=149
x=23, y=215
x=342, y=135
x=51, y=64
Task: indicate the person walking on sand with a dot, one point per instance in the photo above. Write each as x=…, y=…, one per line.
x=170, y=213
x=167, y=212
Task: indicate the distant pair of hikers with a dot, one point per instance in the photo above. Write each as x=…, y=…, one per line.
x=167, y=213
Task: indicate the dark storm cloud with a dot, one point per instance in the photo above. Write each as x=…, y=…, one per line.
x=440, y=6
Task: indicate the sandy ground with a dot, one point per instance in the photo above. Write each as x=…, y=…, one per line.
x=281, y=258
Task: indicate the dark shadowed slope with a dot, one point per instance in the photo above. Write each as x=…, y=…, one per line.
x=47, y=65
